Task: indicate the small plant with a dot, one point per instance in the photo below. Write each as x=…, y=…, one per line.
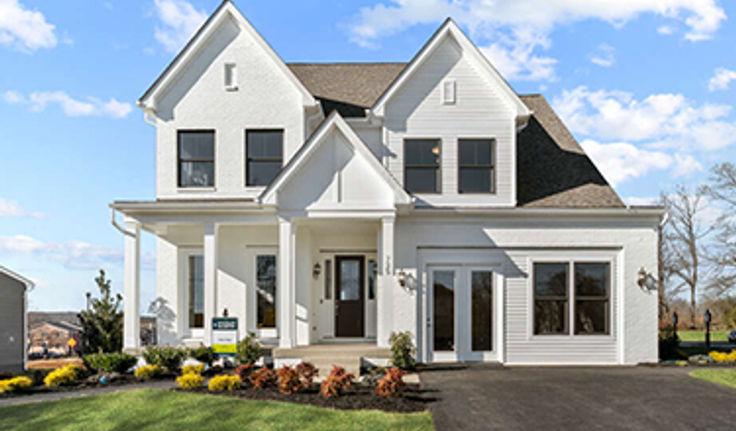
x=306, y=371
x=392, y=384
x=63, y=376
x=164, y=356
x=109, y=362
x=190, y=381
x=15, y=384
x=262, y=378
x=336, y=383
x=148, y=372
x=244, y=371
x=202, y=354
x=249, y=350
x=288, y=380
x=224, y=382
x=193, y=369
x=402, y=350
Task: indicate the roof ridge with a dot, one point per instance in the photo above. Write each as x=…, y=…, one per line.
x=340, y=63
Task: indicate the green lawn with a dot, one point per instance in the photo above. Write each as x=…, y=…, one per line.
x=160, y=410
x=700, y=335
x=721, y=376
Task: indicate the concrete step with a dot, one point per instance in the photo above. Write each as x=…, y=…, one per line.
x=326, y=356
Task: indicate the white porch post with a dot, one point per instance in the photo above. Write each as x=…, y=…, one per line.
x=131, y=285
x=384, y=309
x=285, y=284
x=210, y=279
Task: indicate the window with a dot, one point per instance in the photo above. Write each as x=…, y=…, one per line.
x=422, y=165
x=266, y=290
x=231, y=77
x=264, y=156
x=372, y=270
x=443, y=310
x=196, y=158
x=590, y=286
x=196, y=291
x=476, y=173
x=328, y=279
x=481, y=284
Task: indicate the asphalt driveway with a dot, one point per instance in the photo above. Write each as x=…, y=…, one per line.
x=486, y=397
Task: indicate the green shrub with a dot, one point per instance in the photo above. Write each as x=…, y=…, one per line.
x=164, y=356
x=203, y=354
x=402, y=350
x=148, y=372
x=109, y=362
x=669, y=345
x=249, y=350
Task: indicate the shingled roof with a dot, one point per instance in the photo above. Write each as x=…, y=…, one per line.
x=552, y=168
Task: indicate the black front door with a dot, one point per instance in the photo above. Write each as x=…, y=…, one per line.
x=349, y=307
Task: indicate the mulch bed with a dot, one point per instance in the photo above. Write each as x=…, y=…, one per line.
x=358, y=397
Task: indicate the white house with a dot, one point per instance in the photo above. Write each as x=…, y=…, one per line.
x=326, y=203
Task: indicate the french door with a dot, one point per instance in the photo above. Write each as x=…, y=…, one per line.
x=460, y=318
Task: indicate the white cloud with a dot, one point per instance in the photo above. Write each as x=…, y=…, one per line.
x=666, y=30
x=659, y=120
x=604, y=55
x=686, y=165
x=622, y=161
x=506, y=29
x=10, y=208
x=24, y=29
x=638, y=200
x=38, y=101
x=722, y=77
x=178, y=22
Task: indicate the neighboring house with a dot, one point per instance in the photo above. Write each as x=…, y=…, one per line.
x=339, y=202
x=53, y=337
x=13, y=306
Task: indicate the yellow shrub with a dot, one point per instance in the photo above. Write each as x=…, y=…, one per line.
x=62, y=376
x=147, y=372
x=15, y=384
x=732, y=356
x=723, y=356
x=190, y=381
x=193, y=369
x=224, y=382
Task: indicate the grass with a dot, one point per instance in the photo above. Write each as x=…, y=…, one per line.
x=720, y=376
x=159, y=410
x=700, y=335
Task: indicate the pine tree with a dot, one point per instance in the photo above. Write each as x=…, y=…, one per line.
x=102, y=323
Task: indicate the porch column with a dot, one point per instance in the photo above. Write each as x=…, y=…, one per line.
x=210, y=279
x=384, y=309
x=131, y=285
x=285, y=292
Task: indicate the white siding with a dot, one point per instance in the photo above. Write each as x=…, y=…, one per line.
x=417, y=111
x=12, y=320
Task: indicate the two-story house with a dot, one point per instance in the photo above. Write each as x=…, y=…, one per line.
x=328, y=203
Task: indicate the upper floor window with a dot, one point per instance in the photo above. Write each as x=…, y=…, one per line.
x=475, y=168
x=422, y=165
x=264, y=156
x=196, y=158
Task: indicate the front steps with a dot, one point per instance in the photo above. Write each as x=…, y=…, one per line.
x=326, y=356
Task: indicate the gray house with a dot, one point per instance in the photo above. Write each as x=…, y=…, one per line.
x=13, y=289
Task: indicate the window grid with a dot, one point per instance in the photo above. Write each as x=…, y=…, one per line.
x=424, y=166
x=182, y=160
x=252, y=161
x=464, y=167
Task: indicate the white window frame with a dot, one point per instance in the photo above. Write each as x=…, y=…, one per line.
x=231, y=71
x=449, y=92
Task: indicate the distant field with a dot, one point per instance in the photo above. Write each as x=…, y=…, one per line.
x=700, y=335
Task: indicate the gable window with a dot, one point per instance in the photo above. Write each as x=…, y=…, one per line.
x=195, y=284
x=422, y=165
x=448, y=92
x=231, y=77
x=196, y=158
x=264, y=156
x=475, y=168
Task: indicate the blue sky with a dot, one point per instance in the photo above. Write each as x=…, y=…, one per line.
x=645, y=85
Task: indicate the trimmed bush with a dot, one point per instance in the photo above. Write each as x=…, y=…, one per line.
x=336, y=383
x=224, y=382
x=164, y=356
x=392, y=384
x=202, y=354
x=402, y=350
x=249, y=350
x=15, y=384
x=723, y=356
x=148, y=372
x=109, y=362
x=288, y=380
x=193, y=369
x=190, y=381
x=244, y=371
x=262, y=378
x=306, y=371
x=63, y=376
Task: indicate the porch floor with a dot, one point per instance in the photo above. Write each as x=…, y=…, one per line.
x=325, y=356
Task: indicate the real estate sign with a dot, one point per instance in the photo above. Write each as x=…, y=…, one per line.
x=224, y=336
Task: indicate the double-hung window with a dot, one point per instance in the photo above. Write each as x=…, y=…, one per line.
x=422, y=165
x=264, y=156
x=196, y=158
x=475, y=168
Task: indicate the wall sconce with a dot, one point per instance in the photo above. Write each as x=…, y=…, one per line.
x=645, y=281
x=316, y=270
x=401, y=277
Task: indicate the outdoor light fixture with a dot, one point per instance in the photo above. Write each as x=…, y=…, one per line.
x=644, y=280
x=316, y=270
x=401, y=278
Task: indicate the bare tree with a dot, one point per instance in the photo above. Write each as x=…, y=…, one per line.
x=684, y=256
x=722, y=188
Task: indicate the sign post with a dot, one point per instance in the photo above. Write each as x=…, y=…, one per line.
x=224, y=336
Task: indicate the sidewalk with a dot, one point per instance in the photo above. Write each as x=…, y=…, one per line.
x=29, y=399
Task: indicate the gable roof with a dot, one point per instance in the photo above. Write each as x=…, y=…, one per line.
x=334, y=120
x=226, y=8
x=17, y=277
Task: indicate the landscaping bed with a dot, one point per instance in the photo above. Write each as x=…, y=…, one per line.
x=39, y=388
x=358, y=397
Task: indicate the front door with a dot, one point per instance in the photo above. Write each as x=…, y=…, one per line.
x=349, y=299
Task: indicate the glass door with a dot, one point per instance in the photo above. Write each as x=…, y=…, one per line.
x=441, y=322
